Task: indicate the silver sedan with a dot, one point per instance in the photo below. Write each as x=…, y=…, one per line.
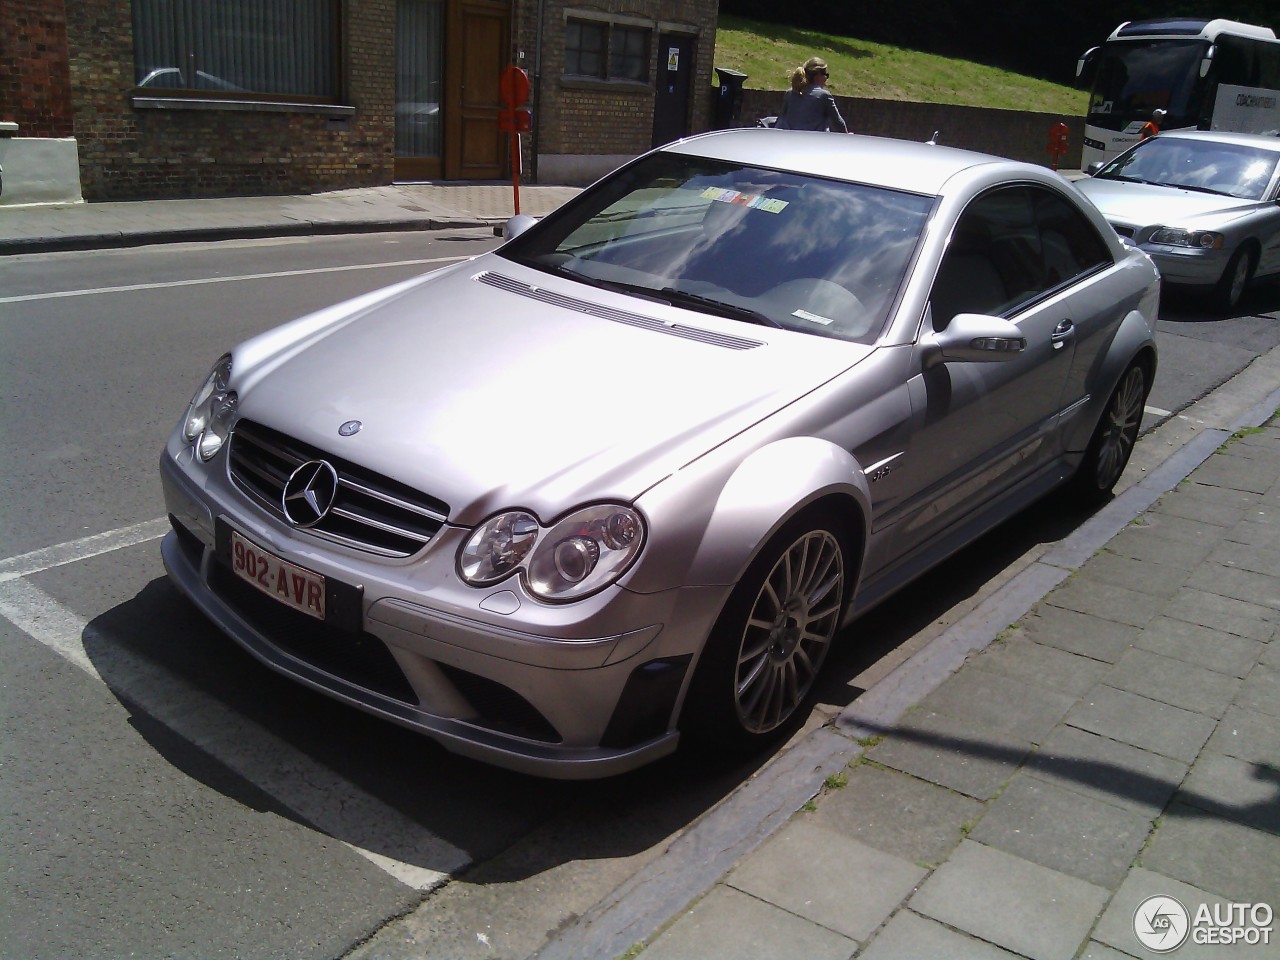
x=625, y=478
x=1204, y=205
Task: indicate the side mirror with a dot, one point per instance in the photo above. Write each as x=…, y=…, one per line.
x=1207, y=60
x=517, y=225
x=1085, y=65
x=1093, y=168
x=974, y=338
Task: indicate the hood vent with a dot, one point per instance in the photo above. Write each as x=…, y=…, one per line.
x=617, y=316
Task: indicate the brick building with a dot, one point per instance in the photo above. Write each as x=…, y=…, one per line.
x=182, y=98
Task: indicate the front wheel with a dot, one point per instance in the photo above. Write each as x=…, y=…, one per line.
x=1114, y=437
x=766, y=650
x=1235, y=278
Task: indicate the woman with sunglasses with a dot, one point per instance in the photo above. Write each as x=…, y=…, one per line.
x=809, y=105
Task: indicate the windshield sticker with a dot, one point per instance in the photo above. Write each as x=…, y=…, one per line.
x=753, y=200
x=812, y=317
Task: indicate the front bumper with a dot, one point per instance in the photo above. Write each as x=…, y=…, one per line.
x=1187, y=265
x=594, y=694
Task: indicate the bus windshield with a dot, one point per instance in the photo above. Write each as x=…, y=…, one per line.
x=1135, y=78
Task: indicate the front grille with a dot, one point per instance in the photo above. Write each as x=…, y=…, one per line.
x=1123, y=230
x=370, y=512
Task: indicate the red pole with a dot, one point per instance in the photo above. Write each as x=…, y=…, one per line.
x=515, y=168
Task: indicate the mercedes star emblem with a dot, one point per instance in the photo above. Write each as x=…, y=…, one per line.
x=309, y=494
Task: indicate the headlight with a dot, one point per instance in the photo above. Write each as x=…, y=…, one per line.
x=497, y=548
x=208, y=420
x=580, y=554
x=1177, y=237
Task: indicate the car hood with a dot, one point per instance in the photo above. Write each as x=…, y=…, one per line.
x=491, y=386
x=1144, y=204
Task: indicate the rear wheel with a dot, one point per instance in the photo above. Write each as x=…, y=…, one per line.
x=1114, y=437
x=764, y=654
x=1235, y=278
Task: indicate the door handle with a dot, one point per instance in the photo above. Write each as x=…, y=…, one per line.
x=1063, y=332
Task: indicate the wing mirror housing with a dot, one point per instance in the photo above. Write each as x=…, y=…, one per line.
x=974, y=338
x=1206, y=62
x=1085, y=66
x=517, y=225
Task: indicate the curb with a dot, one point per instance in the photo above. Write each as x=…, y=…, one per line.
x=301, y=228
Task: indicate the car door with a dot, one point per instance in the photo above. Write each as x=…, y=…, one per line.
x=984, y=427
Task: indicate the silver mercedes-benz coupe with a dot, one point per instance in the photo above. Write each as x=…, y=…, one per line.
x=626, y=477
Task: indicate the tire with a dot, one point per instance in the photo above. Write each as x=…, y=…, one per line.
x=1235, y=278
x=755, y=677
x=1113, y=438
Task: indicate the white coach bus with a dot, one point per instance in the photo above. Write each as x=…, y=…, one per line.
x=1204, y=75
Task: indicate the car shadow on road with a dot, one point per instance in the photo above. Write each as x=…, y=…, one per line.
x=1191, y=305
x=157, y=649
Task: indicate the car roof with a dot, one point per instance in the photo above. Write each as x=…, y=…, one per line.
x=897, y=164
x=1226, y=136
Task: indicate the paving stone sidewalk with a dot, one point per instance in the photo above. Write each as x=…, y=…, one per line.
x=1120, y=742
x=409, y=206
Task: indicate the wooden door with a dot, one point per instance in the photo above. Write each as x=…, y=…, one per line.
x=477, y=53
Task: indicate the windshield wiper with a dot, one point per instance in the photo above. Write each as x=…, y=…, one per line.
x=682, y=298
x=669, y=295
x=1187, y=186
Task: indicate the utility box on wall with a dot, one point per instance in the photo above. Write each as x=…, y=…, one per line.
x=38, y=170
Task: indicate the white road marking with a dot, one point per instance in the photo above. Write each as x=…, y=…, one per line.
x=335, y=806
x=1157, y=412
x=14, y=568
x=134, y=287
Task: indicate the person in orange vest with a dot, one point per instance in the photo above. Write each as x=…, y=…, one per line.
x=1152, y=126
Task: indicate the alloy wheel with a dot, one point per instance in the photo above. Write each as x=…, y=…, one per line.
x=1121, y=423
x=789, y=631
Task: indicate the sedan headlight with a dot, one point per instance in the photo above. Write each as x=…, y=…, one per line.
x=211, y=411
x=578, y=555
x=1177, y=237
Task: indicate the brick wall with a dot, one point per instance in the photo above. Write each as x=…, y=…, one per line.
x=131, y=153
x=1015, y=134
x=577, y=116
x=35, y=84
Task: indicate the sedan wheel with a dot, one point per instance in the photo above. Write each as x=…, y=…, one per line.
x=765, y=653
x=1235, y=278
x=1114, y=437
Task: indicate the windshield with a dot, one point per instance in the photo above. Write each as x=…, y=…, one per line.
x=762, y=246
x=1136, y=77
x=1207, y=166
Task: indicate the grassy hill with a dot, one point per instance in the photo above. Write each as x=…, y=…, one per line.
x=767, y=53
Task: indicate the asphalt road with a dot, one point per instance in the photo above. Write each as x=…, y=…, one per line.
x=161, y=794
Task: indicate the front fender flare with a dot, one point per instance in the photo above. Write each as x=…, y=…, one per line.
x=718, y=540
x=1133, y=339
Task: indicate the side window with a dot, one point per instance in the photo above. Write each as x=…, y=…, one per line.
x=1010, y=247
x=1070, y=243
x=990, y=265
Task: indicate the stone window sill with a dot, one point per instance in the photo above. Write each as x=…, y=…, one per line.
x=604, y=86
x=256, y=106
